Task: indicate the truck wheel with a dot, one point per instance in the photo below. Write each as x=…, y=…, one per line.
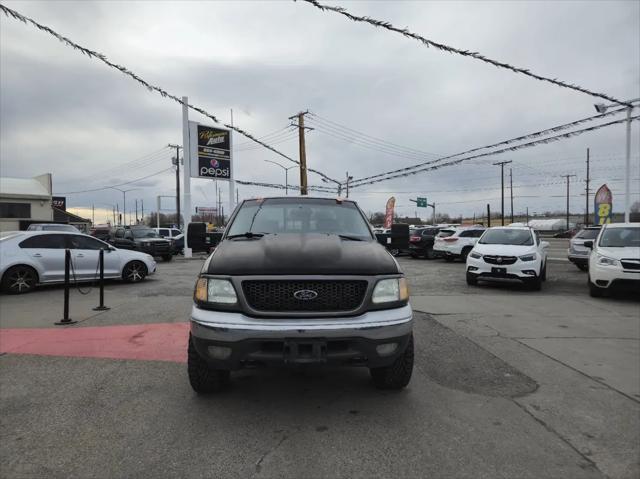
x=398, y=375
x=471, y=279
x=202, y=378
x=594, y=291
x=167, y=257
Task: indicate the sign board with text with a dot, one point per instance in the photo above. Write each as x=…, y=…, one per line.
x=206, y=210
x=421, y=202
x=210, y=152
x=59, y=202
x=603, y=203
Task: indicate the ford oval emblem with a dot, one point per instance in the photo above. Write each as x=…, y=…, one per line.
x=305, y=295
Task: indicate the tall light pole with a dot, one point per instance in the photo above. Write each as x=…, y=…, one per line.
x=602, y=108
x=501, y=164
x=124, y=200
x=286, y=174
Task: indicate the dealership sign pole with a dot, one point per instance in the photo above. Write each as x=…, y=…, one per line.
x=186, y=186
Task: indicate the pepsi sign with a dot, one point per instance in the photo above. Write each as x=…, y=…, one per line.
x=211, y=152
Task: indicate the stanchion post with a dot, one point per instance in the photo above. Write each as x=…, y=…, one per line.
x=67, y=267
x=101, y=306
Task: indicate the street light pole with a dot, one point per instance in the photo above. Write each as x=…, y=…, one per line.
x=601, y=108
x=286, y=174
x=124, y=200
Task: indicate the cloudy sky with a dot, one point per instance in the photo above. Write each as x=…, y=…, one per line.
x=92, y=127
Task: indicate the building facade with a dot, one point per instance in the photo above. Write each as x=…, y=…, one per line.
x=25, y=199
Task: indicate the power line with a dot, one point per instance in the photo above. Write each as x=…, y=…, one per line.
x=466, y=53
x=323, y=189
x=119, y=184
x=517, y=139
x=124, y=70
x=550, y=139
x=370, y=138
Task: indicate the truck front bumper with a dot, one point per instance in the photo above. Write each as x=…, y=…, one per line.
x=233, y=341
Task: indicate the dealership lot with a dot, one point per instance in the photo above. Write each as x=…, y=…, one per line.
x=508, y=383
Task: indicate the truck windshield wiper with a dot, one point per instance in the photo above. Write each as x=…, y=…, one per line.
x=248, y=234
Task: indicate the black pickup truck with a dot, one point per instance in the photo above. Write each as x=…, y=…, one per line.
x=300, y=282
x=141, y=238
x=421, y=242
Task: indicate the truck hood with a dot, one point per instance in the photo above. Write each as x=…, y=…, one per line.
x=300, y=254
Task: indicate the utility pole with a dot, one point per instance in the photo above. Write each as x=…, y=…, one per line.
x=118, y=211
x=586, y=191
x=349, y=178
x=303, y=152
x=93, y=215
x=567, y=177
x=142, y=213
x=114, y=215
x=488, y=215
x=502, y=163
x=136, y=211
x=511, y=191
x=176, y=162
x=527, y=216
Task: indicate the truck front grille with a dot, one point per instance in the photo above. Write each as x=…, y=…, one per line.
x=304, y=296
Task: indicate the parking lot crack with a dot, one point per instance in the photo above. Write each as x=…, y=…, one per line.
x=588, y=462
x=259, y=462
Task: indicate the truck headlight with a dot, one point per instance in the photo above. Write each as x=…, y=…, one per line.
x=390, y=290
x=528, y=257
x=605, y=261
x=210, y=290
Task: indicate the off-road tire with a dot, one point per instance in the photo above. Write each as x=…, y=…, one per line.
x=134, y=272
x=167, y=257
x=398, y=374
x=202, y=378
x=471, y=279
x=19, y=279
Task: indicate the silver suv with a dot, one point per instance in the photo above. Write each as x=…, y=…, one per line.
x=300, y=281
x=578, y=253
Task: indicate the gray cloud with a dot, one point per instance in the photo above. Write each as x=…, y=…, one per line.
x=64, y=113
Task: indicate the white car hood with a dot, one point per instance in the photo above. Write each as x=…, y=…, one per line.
x=503, y=249
x=620, y=253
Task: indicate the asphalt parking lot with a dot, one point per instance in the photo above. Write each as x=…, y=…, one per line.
x=508, y=383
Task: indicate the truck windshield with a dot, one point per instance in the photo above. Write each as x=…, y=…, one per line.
x=507, y=236
x=144, y=233
x=298, y=215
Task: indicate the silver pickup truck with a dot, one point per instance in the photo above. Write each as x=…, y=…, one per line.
x=300, y=282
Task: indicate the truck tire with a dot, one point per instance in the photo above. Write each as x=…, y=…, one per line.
x=398, y=374
x=202, y=378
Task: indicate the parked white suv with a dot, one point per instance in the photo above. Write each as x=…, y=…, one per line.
x=509, y=253
x=614, y=262
x=459, y=243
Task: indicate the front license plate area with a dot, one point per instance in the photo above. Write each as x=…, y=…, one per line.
x=305, y=351
x=499, y=271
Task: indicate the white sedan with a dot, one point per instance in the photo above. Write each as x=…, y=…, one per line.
x=509, y=253
x=29, y=258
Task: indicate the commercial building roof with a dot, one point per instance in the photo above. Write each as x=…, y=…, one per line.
x=38, y=187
